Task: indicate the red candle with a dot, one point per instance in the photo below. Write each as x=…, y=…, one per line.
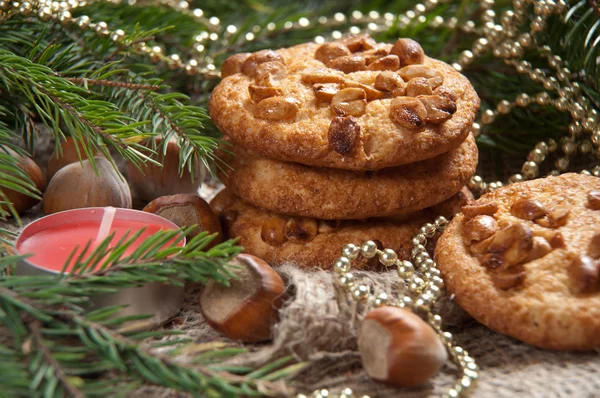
x=52, y=239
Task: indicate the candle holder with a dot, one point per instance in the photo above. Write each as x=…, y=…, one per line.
x=163, y=300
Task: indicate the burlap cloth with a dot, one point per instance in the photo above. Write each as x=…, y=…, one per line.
x=319, y=324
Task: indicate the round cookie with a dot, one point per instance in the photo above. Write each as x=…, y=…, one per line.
x=334, y=194
x=524, y=260
x=351, y=104
x=309, y=242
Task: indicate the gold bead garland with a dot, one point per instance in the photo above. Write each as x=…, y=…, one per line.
x=420, y=284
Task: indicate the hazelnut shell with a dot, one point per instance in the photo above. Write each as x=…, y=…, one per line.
x=20, y=201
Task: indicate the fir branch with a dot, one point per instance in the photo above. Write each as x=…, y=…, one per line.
x=111, y=83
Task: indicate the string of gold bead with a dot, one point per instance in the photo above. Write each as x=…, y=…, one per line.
x=420, y=285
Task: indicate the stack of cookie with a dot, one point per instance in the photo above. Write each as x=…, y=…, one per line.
x=342, y=142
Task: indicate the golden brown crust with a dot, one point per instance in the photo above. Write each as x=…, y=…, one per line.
x=544, y=309
x=296, y=189
x=303, y=136
x=308, y=242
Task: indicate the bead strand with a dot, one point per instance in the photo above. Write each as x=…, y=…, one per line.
x=420, y=285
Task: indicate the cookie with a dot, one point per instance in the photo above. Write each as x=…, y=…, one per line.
x=349, y=104
x=524, y=260
x=335, y=194
x=309, y=242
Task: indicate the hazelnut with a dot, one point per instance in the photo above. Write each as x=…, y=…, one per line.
x=480, y=227
x=259, y=93
x=555, y=238
x=593, y=200
x=436, y=81
x=528, y=209
x=349, y=101
x=585, y=274
x=328, y=51
x=444, y=91
x=344, y=135
x=390, y=82
x=375, y=54
x=556, y=218
x=348, y=63
x=388, y=62
x=251, y=63
x=301, y=229
x=594, y=248
x=509, y=279
x=277, y=108
x=540, y=248
x=412, y=71
x=270, y=73
x=408, y=112
x=247, y=308
x=68, y=153
x=439, y=109
x=510, y=246
x=476, y=209
x=223, y=201
x=272, y=231
x=80, y=185
x=20, y=201
x=233, y=64
x=360, y=43
x=186, y=210
x=408, y=51
x=317, y=75
x=372, y=94
x=398, y=348
x=325, y=91
x=418, y=86
x=328, y=226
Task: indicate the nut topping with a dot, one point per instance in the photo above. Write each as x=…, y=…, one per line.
x=273, y=231
x=594, y=248
x=510, y=246
x=541, y=247
x=439, y=109
x=348, y=63
x=476, y=209
x=585, y=274
x=259, y=93
x=325, y=91
x=389, y=62
x=412, y=71
x=233, y=64
x=528, y=209
x=593, y=200
x=556, y=218
x=408, y=112
x=555, y=238
x=390, y=82
x=374, y=54
x=360, y=43
x=436, y=81
x=259, y=57
x=418, y=86
x=344, y=135
x=269, y=73
x=349, y=101
x=317, y=75
x=301, y=230
x=444, y=91
x=480, y=227
x=408, y=51
x=328, y=226
x=328, y=51
x=372, y=94
x=506, y=280
x=276, y=108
